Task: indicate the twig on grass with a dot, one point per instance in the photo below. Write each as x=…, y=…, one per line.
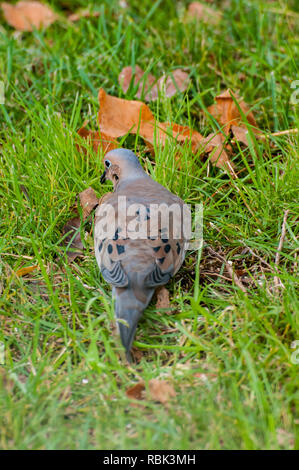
x=277, y=282
x=229, y=269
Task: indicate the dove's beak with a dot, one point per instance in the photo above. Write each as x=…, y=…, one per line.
x=103, y=177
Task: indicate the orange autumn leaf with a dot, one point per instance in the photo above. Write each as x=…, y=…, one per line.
x=25, y=16
x=98, y=140
x=214, y=144
x=118, y=116
x=28, y=269
x=226, y=112
x=136, y=392
x=181, y=133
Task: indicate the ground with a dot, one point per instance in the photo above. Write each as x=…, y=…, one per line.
x=225, y=348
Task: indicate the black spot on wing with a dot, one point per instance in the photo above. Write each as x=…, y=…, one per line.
x=156, y=248
x=100, y=247
x=178, y=248
x=110, y=248
x=167, y=248
x=161, y=260
x=120, y=249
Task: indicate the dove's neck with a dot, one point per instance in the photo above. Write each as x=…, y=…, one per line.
x=129, y=178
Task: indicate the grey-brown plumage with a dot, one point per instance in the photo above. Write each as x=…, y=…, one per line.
x=135, y=267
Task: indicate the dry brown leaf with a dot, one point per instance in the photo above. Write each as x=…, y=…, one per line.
x=240, y=134
x=173, y=82
x=88, y=201
x=180, y=133
x=98, y=140
x=214, y=144
x=204, y=13
x=25, y=16
x=226, y=112
x=118, y=117
x=76, y=246
x=136, y=392
x=28, y=269
x=162, y=298
x=145, y=84
x=161, y=391
x=83, y=13
x=168, y=85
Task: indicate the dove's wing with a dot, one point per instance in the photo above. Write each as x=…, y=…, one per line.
x=156, y=256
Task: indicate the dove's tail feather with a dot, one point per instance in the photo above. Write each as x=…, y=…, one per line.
x=127, y=325
x=128, y=310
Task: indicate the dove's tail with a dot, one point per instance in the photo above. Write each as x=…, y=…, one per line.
x=128, y=310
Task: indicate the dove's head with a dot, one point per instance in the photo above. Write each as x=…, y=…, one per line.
x=121, y=164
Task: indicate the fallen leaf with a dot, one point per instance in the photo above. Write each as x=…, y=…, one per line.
x=180, y=133
x=162, y=298
x=240, y=134
x=25, y=16
x=98, y=140
x=145, y=81
x=161, y=391
x=168, y=85
x=226, y=112
x=28, y=269
x=73, y=238
x=88, y=201
x=215, y=145
x=83, y=13
x=118, y=116
x=204, y=13
x=136, y=392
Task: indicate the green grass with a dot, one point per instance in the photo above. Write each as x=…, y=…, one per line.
x=63, y=382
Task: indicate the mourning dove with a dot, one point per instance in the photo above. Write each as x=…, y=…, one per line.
x=137, y=249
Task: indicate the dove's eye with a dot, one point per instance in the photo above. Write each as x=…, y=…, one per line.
x=107, y=163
